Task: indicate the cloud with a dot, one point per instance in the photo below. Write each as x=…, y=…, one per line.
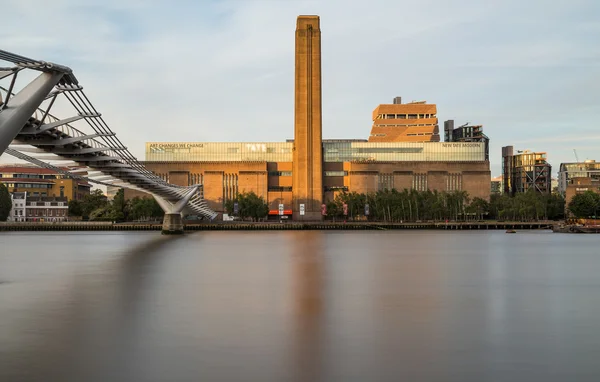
x=223, y=70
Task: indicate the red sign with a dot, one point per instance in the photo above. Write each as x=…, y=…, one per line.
x=345, y=209
x=276, y=212
x=323, y=209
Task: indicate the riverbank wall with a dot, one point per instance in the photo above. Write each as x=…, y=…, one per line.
x=246, y=226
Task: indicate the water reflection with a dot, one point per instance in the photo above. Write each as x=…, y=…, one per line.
x=301, y=306
x=308, y=295
x=69, y=328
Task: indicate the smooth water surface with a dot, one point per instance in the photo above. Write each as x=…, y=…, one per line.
x=300, y=306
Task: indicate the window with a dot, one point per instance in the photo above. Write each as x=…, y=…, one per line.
x=280, y=173
x=336, y=188
x=279, y=188
x=336, y=173
x=412, y=116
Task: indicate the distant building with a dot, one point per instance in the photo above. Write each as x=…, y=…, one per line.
x=409, y=122
x=524, y=171
x=37, y=181
x=497, y=185
x=577, y=178
x=466, y=133
x=568, y=171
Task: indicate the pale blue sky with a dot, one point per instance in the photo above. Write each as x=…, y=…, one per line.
x=223, y=70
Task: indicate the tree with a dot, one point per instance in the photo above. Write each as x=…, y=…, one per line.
x=250, y=206
x=585, y=205
x=118, y=207
x=143, y=209
x=5, y=203
x=479, y=207
x=75, y=208
x=92, y=202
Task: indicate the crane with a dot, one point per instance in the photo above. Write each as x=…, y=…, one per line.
x=576, y=157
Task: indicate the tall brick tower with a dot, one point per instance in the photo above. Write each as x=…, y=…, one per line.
x=308, y=147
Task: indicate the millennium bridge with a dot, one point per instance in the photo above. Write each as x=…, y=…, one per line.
x=82, y=145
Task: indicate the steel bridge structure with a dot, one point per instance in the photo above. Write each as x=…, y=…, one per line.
x=82, y=145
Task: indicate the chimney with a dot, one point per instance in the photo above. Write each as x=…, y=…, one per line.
x=397, y=100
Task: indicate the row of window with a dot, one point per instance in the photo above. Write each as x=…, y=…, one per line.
x=27, y=185
x=43, y=212
x=405, y=116
x=30, y=176
x=404, y=125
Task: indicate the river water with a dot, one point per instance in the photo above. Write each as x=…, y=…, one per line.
x=300, y=306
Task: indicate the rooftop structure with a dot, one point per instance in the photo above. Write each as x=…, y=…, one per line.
x=466, y=133
x=409, y=122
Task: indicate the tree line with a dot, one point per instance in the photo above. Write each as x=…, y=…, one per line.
x=412, y=205
x=96, y=207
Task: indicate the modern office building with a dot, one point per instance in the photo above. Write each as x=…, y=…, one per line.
x=577, y=178
x=568, y=171
x=295, y=177
x=466, y=133
x=525, y=170
x=408, y=122
x=37, y=181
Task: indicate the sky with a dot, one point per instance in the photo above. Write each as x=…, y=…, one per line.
x=223, y=70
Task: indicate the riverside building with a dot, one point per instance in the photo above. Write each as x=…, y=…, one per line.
x=297, y=176
x=577, y=178
x=525, y=170
x=37, y=181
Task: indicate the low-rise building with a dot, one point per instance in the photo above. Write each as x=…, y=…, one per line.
x=27, y=208
x=18, y=210
x=46, y=209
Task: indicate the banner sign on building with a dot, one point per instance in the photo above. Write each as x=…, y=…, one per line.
x=366, y=210
x=345, y=209
x=323, y=209
x=301, y=209
x=280, y=209
x=236, y=208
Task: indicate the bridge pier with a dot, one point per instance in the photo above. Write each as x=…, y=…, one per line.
x=172, y=224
